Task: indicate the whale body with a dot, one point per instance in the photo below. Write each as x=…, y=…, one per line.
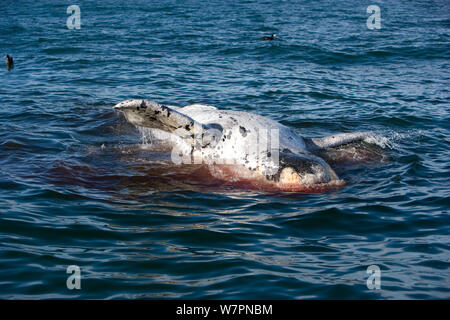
x=240, y=144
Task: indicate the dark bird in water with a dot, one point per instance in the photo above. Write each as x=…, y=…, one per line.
x=269, y=38
x=9, y=62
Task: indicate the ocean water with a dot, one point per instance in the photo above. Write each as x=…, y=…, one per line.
x=80, y=186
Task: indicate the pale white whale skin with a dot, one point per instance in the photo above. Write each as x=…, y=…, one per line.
x=228, y=137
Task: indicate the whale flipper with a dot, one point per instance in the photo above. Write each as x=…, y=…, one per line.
x=146, y=113
x=336, y=140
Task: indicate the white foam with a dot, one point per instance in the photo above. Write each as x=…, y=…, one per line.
x=146, y=136
x=388, y=139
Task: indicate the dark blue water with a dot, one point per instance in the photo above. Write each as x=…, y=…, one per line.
x=77, y=187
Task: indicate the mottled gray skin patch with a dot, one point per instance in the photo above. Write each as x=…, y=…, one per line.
x=243, y=131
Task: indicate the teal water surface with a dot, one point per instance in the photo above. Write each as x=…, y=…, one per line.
x=77, y=186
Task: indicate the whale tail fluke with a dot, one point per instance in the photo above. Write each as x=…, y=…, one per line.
x=336, y=140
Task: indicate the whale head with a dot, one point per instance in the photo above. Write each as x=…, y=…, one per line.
x=301, y=170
